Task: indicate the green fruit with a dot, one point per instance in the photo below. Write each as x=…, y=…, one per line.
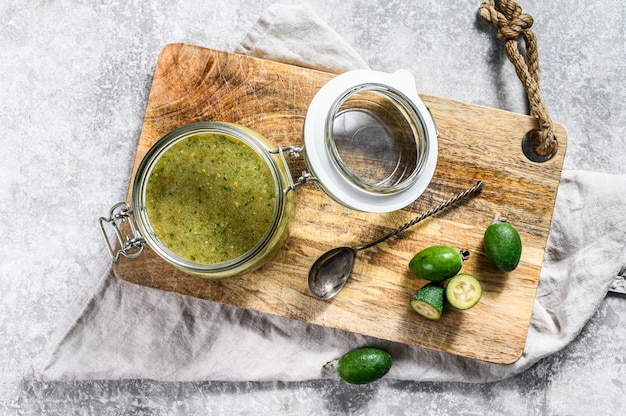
x=463, y=291
x=361, y=366
x=436, y=263
x=503, y=245
x=428, y=301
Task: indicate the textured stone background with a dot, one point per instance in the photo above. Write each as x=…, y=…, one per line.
x=74, y=79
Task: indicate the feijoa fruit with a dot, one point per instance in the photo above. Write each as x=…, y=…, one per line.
x=436, y=263
x=362, y=365
x=503, y=245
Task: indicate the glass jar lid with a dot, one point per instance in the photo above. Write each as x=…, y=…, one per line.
x=370, y=141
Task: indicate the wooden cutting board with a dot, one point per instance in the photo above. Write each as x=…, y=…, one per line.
x=197, y=84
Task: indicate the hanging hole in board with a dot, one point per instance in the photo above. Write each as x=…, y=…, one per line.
x=528, y=148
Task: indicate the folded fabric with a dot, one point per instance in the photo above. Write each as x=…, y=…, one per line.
x=296, y=35
x=119, y=330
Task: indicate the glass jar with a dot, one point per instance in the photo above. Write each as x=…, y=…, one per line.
x=213, y=199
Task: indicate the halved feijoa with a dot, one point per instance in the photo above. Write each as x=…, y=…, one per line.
x=428, y=301
x=463, y=291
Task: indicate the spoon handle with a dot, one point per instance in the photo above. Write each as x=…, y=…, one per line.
x=478, y=186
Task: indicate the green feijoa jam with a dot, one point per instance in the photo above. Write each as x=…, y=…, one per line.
x=362, y=365
x=463, y=291
x=436, y=263
x=210, y=198
x=428, y=301
x=503, y=245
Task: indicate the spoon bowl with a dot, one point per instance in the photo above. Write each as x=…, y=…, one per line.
x=331, y=271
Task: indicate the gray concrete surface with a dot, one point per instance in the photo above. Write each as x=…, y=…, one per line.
x=74, y=79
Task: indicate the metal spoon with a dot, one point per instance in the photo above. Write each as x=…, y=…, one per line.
x=331, y=270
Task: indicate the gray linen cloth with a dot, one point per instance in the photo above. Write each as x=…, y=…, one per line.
x=119, y=330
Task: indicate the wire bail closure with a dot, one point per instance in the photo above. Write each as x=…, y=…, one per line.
x=292, y=151
x=131, y=245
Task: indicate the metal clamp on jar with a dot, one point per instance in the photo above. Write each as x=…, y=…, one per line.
x=215, y=199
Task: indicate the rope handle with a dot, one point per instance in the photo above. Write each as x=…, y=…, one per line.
x=513, y=24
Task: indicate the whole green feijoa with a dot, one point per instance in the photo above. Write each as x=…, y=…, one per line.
x=362, y=365
x=437, y=263
x=503, y=245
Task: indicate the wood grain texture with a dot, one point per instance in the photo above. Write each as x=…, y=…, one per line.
x=196, y=84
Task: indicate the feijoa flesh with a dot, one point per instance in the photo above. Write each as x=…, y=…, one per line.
x=463, y=291
x=503, y=245
x=362, y=365
x=436, y=263
x=428, y=301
